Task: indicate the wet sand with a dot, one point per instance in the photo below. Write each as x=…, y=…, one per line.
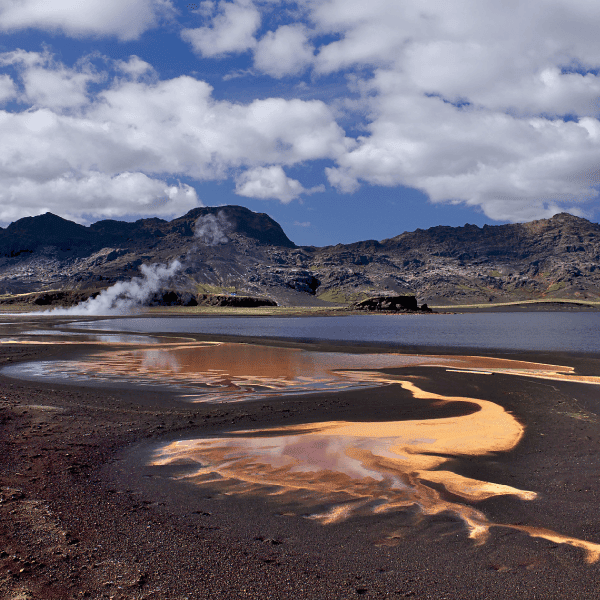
x=81, y=518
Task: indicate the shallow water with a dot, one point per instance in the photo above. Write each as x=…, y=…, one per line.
x=55, y=336
x=232, y=372
x=334, y=469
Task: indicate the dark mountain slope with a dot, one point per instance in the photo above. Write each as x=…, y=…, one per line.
x=557, y=257
x=30, y=233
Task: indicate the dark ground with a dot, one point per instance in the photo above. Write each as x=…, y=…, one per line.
x=81, y=517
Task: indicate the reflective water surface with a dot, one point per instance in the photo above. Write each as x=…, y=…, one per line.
x=53, y=337
x=560, y=331
x=228, y=372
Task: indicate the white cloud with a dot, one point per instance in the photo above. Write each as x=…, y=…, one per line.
x=466, y=99
x=176, y=126
x=232, y=30
x=134, y=67
x=49, y=84
x=286, y=51
x=510, y=167
x=95, y=195
x=124, y=19
x=487, y=52
x=125, y=140
x=206, y=8
x=8, y=90
x=341, y=179
x=269, y=183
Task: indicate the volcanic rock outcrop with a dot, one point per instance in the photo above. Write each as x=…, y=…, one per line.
x=391, y=304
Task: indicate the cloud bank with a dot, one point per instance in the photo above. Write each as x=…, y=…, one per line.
x=125, y=20
x=492, y=105
x=111, y=153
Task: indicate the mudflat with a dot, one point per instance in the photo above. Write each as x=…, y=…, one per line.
x=84, y=513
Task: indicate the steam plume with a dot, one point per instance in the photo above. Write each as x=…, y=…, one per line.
x=212, y=230
x=125, y=296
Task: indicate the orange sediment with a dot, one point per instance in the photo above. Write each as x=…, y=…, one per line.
x=368, y=467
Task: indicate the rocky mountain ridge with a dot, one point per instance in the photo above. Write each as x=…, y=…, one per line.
x=231, y=249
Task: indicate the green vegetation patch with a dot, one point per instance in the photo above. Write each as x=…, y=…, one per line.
x=342, y=297
x=557, y=286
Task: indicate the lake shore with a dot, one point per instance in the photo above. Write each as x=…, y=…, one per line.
x=81, y=518
x=333, y=309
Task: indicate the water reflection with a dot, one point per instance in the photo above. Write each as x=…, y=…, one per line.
x=41, y=336
x=232, y=372
x=337, y=469
x=210, y=371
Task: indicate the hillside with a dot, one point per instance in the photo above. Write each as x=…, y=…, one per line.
x=232, y=249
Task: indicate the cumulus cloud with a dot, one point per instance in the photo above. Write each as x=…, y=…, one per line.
x=110, y=153
x=489, y=104
x=50, y=84
x=125, y=20
x=467, y=100
x=176, y=126
x=8, y=90
x=286, y=51
x=231, y=29
x=268, y=183
x=510, y=167
x=342, y=179
x=134, y=67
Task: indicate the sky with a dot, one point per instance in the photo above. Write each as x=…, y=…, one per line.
x=344, y=120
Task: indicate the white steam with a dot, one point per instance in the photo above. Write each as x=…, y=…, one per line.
x=125, y=296
x=212, y=230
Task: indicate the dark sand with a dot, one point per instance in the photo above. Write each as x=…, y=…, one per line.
x=80, y=518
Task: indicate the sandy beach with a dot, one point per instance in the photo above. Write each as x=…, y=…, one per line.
x=84, y=513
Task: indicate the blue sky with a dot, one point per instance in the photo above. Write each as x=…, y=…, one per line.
x=343, y=120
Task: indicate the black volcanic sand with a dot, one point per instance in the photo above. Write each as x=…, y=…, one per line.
x=82, y=517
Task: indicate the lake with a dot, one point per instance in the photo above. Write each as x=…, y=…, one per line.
x=534, y=331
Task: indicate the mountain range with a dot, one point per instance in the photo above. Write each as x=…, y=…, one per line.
x=231, y=249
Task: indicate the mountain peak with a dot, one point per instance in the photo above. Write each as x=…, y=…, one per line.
x=565, y=217
x=47, y=225
x=258, y=226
